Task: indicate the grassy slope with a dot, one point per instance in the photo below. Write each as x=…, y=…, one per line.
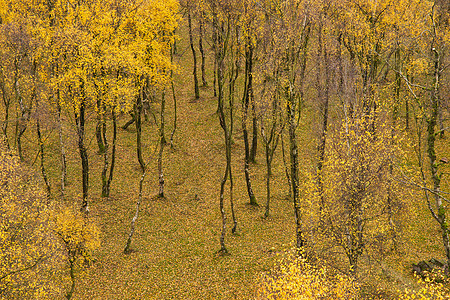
x=177, y=237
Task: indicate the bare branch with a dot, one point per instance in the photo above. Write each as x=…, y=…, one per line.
x=24, y=269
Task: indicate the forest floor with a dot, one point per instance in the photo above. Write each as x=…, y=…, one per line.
x=177, y=237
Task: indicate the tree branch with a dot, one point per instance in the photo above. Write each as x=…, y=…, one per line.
x=24, y=269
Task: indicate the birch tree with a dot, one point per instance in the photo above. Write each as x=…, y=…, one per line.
x=288, y=29
x=151, y=29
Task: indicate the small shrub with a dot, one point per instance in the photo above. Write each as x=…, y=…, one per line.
x=298, y=279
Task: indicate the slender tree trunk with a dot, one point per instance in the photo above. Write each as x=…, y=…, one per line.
x=390, y=193
x=34, y=98
x=223, y=249
x=271, y=144
x=17, y=96
x=219, y=57
x=269, y=172
x=175, y=46
x=245, y=105
x=286, y=169
x=371, y=103
x=127, y=249
x=107, y=189
x=233, y=77
x=98, y=129
x=407, y=105
x=20, y=130
x=62, y=149
x=230, y=174
x=72, y=278
x=251, y=195
x=202, y=51
x=324, y=98
x=191, y=41
x=353, y=261
x=41, y=150
x=131, y=121
x=25, y=112
x=214, y=40
x=215, y=78
x=137, y=113
x=174, y=104
x=441, y=216
x=407, y=114
x=253, y=150
x=161, y=147
x=80, y=121
x=294, y=113
x=441, y=20
x=251, y=96
x=294, y=172
x=441, y=119
x=16, y=131
x=7, y=103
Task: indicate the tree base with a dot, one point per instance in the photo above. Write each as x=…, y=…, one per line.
x=128, y=251
x=223, y=252
x=253, y=203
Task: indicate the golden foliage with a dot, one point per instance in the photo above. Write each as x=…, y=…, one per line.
x=29, y=260
x=429, y=290
x=79, y=236
x=298, y=279
x=95, y=49
x=31, y=255
x=360, y=200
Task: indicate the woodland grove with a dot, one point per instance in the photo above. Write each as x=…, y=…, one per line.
x=229, y=149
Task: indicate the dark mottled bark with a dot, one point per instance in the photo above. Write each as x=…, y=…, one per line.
x=286, y=168
x=245, y=106
x=162, y=143
x=42, y=156
x=80, y=122
x=137, y=113
x=194, y=55
x=202, y=51
x=127, y=249
x=220, y=51
x=323, y=93
x=72, y=278
x=107, y=187
x=172, y=85
x=98, y=129
x=131, y=121
x=25, y=110
x=7, y=103
x=440, y=215
x=271, y=143
x=62, y=149
x=105, y=159
x=254, y=148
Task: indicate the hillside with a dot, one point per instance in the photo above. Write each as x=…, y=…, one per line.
x=376, y=160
